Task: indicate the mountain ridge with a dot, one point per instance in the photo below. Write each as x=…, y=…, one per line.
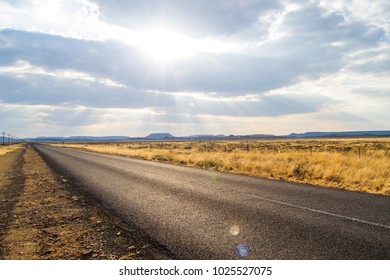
x=168, y=136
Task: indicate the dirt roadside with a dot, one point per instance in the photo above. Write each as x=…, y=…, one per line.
x=44, y=216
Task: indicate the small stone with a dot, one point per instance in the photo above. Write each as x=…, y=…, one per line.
x=86, y=252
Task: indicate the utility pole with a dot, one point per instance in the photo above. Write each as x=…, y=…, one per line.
x=9, y=139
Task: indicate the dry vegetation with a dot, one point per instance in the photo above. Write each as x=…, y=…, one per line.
x=6, y=149
x=353, y=164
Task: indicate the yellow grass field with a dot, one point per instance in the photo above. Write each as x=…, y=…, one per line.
x=353, y=164
x=9, y=149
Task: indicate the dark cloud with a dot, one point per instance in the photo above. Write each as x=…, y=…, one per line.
x=46, y=90
x=38, y=89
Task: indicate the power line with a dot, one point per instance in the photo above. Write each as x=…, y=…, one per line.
x=11, y=139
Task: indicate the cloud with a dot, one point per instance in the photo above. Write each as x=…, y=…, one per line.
x=211, y=18
x=77, y=19
x=372, y=60
x=370, y=13
x=249, y=61
x=36, y=85
x=273, y=65
x=229, y=74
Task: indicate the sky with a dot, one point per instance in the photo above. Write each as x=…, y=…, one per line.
x=78, y=67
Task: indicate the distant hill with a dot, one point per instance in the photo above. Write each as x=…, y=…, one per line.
x=205, y=136
x=168, y=136
x=159, y=136
x=341, y=134
x=260, y=135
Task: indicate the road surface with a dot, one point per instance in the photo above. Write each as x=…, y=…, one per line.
x=199, y=214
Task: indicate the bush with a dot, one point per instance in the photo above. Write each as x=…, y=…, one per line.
x=209, y=164
x=162, y=157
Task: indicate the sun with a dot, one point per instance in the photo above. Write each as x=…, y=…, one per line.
x=166, y=45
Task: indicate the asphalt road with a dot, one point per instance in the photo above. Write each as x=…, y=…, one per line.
x=199, y=214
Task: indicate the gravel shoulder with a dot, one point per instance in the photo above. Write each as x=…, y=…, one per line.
x=43, y=215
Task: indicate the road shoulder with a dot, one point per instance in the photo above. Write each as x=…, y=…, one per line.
x=45, y=217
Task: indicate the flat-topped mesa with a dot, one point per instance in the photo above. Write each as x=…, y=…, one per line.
x=158, y=136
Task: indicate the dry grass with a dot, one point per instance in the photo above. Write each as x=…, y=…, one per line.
x=9, y=149
x=353, y=164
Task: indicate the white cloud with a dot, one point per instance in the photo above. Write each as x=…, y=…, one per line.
x=34, y=120
x=71, y=18
x=371, y=12
x=23, y=69
x=81, y=19
x=356, y=100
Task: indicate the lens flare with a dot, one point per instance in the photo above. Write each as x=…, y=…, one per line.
x=242, y=250
x=234, y=230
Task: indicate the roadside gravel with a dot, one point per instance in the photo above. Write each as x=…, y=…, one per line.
x=45, y=216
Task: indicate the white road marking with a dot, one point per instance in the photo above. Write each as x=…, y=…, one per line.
x=319, y=211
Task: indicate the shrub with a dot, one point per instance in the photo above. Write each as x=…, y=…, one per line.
x=208, y=164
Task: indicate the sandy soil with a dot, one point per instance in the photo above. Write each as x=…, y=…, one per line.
x=44, y=216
